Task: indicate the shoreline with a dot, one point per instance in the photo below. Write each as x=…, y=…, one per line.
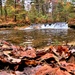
x=16, y=25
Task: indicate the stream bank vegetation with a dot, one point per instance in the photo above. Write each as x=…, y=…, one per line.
x=14, y=13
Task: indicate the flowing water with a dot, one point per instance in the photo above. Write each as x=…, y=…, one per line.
x=37, y=38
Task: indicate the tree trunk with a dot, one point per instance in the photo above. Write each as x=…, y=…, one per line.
x=5, y=13
x=23, y=4
x=1, y=7
x=23, y=9
x=15, y=12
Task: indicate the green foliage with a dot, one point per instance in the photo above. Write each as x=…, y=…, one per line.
x=71, y=15
x=56, y=42
x=35, y=16
x=10, y=11
x=62, y=11
x=10, y=3
x=73, y=0
x=38, y=13
x=60, y=7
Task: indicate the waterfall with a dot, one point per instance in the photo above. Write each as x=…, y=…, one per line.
x=57, y=25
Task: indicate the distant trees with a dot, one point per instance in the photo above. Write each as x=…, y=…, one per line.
x=5, y=10
x=39, y=13
x=12, y=9
x=39, y=4
x=67, y=11
x=62, y=11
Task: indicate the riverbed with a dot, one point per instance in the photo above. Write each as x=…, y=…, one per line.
x=38, y=37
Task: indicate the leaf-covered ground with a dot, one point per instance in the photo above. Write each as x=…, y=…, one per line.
x=55, y=60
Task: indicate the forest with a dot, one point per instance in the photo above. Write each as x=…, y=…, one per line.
x=14, y=11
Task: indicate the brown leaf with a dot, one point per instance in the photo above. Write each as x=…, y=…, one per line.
x=47, y=56
x=28, y=53
x=31, y=62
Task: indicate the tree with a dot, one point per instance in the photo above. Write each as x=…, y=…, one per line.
x=5, y=9
x=38, y=5
x=67, y=10
x=15, y=12
x=1, y=7
x=11, y=8
x=62, y=11
x=23, y=9
x=10, y=3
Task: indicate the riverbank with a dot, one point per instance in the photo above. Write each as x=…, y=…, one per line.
x=72, y=26
x=7, y=24
x=14, y=25
x=17, y=25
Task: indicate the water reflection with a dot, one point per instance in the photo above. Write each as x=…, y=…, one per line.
x=43, y=36
x=5, y=32
x=56, y=32
x=37, y=38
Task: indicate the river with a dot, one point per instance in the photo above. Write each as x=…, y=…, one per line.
x=37, y=38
